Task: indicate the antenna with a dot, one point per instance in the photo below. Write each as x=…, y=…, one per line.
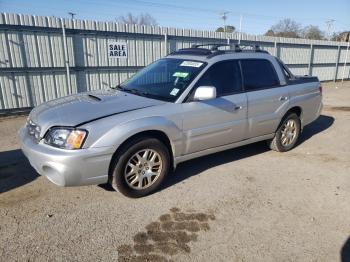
x=72, y=14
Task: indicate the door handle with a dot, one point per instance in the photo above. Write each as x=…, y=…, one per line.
x=237, y=108
x=283, y=98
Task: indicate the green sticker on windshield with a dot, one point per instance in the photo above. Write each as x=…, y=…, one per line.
x=180, y=74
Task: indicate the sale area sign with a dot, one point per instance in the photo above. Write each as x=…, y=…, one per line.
x=117, y=50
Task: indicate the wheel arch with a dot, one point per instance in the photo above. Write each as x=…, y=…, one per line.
x=152, y=133
x=295, y=109
x=275, y=143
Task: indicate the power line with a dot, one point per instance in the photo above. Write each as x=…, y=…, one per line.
x=184, y=17
x=216, y=11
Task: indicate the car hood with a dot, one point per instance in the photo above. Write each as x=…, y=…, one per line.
x=81, y=108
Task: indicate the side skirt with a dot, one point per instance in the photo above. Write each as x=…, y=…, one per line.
x=213, y=150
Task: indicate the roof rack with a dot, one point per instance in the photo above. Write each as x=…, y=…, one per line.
x=214, y=49
x=192, y=51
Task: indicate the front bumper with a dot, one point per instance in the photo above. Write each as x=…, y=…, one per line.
x=67, y=167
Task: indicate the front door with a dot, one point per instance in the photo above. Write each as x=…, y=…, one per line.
x=219, y=121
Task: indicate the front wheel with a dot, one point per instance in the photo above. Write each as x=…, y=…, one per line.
x=140, y=167
x=287, y=134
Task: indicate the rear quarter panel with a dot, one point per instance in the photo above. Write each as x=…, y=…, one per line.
x=308, y=97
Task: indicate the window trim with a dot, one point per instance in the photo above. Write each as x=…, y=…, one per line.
x=284, y=67
x=262, y=88
x=286, y=73
x=189, y=97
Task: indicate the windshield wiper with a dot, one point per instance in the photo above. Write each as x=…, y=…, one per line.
x=130, y=90
x=119, y=87
x=135, y=91
x=139, y=92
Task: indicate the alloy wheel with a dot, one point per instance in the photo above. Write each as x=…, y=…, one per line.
x=289, y=132
x=143, y=169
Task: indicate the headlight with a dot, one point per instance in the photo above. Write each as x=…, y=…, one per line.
x=67, y=138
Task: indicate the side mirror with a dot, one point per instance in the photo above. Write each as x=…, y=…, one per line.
x=205, y=93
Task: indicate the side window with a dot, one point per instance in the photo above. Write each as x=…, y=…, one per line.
x=225, y=76
x=285, y=71
x=258, y=74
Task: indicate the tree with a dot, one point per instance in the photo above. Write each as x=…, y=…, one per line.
x=270, y=33
x=141, y=19
x=341, y=36
x=227, y=29
x=285, y=28
x=312, y=32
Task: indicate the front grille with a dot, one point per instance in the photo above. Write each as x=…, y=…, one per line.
x=33, y=130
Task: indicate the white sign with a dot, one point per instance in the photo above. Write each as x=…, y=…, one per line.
x=117, y=50
x=174, y=91
x=191, y=64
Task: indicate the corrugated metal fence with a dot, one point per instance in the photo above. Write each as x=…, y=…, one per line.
x=38, y=53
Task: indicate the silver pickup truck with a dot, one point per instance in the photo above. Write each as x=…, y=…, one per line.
x=194, y=102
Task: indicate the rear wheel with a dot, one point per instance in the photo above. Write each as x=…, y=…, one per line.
x=140, y=167
x=287, y=134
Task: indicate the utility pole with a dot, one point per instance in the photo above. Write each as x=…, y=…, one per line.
x=72, y=14
x=240, y=29
x=224, y=18
x=330, y=28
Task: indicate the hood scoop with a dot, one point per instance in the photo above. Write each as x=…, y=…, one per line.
x=96, y=98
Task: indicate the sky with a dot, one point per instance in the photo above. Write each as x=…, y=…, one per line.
x=257, y=15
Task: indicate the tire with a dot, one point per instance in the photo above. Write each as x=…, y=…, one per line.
x=146, y=175
x=280, y=142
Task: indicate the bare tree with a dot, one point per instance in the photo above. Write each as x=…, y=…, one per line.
x=227, y=29
x=341, y=36
x=141, y=19
x=312, y=32
x=286, y=28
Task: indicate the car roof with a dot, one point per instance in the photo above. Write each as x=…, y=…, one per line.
x=214, y=54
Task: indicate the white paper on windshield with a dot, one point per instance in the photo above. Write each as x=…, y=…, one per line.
x=191, y=64
x=174, y=91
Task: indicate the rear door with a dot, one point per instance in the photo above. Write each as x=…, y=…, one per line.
x=218, y=121
x=267, y=98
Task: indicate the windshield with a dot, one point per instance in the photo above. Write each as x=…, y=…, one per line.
x=164, y=79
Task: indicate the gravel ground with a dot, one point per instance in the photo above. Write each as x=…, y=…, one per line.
x=245, y=204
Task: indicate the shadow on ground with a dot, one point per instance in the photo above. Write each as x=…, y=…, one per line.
x=322, y=123
x=345, y=251
x=15, y=170
x=198, y=165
